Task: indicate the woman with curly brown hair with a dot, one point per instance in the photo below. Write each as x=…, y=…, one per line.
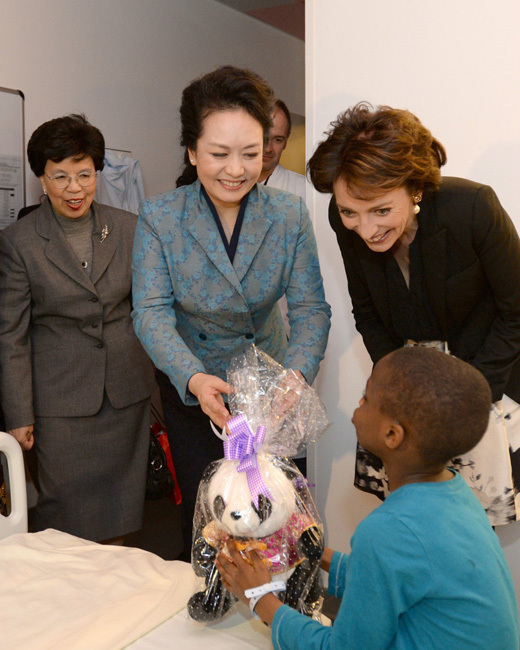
x=429, y=261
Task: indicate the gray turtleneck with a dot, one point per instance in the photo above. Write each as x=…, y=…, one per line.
x=78, y=233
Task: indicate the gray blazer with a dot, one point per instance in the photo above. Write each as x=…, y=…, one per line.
x=65, y=337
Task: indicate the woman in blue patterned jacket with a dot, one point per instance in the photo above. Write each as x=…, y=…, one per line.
x=212, y=259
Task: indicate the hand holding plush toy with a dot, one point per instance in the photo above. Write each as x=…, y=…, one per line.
x=258, y=500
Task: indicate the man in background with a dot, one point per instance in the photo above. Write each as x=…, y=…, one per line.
x=273, y=174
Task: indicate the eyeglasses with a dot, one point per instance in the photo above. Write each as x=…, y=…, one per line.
x=61, y=181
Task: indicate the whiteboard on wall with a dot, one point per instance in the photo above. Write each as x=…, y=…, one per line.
x=12, y=155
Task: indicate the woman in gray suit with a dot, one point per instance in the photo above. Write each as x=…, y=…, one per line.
x=211, y=260
x=74, y=379
x=430, y=261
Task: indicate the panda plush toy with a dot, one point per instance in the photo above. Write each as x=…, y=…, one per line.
x=282, y=526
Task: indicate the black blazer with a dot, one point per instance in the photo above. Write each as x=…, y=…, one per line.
x=471, y=257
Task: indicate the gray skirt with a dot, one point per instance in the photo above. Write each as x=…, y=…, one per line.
x=92, y=471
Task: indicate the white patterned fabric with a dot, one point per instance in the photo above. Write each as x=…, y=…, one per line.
x=487, y=469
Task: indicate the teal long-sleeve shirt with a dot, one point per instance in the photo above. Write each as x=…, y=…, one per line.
x=425, y=572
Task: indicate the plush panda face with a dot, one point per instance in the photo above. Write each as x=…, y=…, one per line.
x=231, y=503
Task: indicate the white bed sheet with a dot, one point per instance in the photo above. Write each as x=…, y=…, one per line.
x=239, y=631
x=59, y=592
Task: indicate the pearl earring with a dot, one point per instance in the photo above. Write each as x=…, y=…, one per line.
x=417, y=199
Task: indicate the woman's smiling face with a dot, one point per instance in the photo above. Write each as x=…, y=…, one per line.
x=379, y=221
x=228, y=156
x=74, y=200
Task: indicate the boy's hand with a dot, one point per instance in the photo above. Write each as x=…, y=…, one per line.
x=239, y=574
x=326, y=558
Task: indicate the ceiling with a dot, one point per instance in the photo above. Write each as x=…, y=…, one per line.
x=287, y=15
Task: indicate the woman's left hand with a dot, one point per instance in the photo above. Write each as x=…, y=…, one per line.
x=238, y=574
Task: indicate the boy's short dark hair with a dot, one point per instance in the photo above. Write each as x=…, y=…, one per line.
x=441, y=401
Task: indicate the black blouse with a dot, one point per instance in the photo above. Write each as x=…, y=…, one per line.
x=231, y=245
x=411, y=313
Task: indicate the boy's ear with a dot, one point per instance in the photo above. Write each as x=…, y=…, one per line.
x=395, y=435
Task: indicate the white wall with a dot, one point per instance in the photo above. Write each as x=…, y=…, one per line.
x=124, y=64
x=457, y=66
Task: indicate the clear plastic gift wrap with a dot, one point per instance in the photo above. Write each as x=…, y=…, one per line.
x=255, y=495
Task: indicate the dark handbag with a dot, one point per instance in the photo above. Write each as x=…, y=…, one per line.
x=159, y=479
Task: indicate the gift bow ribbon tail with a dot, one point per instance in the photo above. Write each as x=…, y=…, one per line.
x=243, y=445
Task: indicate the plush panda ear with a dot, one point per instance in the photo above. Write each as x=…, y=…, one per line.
x=265, y=508
x=218, y=507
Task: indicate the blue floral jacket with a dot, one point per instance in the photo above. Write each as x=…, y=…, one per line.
x=194, y=310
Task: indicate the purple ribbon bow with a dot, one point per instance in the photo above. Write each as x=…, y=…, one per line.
x=242, y=444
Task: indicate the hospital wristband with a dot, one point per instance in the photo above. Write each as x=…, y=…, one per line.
x=256, y=593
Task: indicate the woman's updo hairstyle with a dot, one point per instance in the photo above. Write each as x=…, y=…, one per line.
x=71, y=136
x=225, y=88
x=376, y=151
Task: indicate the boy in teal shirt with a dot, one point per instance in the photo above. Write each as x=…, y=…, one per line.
x=425, y=570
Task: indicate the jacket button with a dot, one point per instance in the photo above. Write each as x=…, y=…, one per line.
x=94, y=325
x=99, y=345
x=202, y=336
x=94, y=299
x=250, y=336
